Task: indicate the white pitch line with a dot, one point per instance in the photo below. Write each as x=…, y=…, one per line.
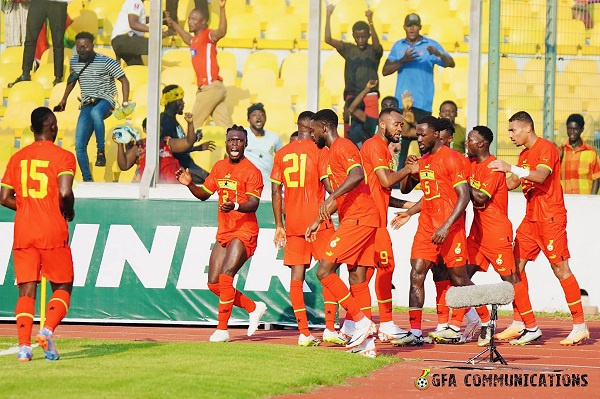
x=14, y=349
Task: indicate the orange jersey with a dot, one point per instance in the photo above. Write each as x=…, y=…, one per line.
x=376, y=155
x=235, y=182
x=204, y=58
x=300, y=166
x=439, y=174
x=490, y=221
x=545, y=202
x=357, y=206
x=33, y=174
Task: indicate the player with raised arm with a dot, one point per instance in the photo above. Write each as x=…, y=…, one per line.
x=354, y=241
x=239, y=186
x=301, y=169
x=37, y=185
x=543, y=228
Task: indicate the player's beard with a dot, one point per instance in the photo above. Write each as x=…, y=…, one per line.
x=321, y=143
x=390, y=137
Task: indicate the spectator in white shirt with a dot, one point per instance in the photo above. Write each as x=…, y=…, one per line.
x=128, y=40
x=262, y=144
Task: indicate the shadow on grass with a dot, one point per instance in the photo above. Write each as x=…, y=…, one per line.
x=107, y=349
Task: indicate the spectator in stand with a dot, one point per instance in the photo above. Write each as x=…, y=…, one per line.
x=262, y=144
x=96, y=74
x=56, y=13
x=362, y=62
x=127, y=37
x=294, y=136
x=414, y=58
x=172, y=100
x=210, y=98
x=172, y=5
x=15, y=21
x=449, y=110
x=579, y=168
x=581, y=11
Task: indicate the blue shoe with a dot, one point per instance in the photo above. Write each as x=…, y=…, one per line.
x=45, y=340
x=25, y=354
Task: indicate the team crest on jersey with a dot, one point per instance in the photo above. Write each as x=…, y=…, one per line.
x=476, y=184
x=333, y=243
x=427, y=175
x=458, y=249
x=550, y=246
x=226, y=183
x=499, y=261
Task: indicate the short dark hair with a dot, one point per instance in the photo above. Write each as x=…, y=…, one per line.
x=238, y=128
x=305, y=115
x=431, y=121
x=449, y=102
x=361, y=25
x=85, y=35
x=387, y=111
x=256, y=107
x=391, y=98
x=485, y=132
x=446, y=124
x=327, y=117
x=295, y=134
x=168, y=88
x=577, y=118
x=522, y=116
x=144, y=123
x=39, y=116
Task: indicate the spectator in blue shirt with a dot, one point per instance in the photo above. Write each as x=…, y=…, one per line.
x=413, y=58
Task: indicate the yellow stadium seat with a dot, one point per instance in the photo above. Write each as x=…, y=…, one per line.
x=570, y=37
x=74, y=8
x=189, y=97
x=258, y=80
x=387, y=84
x=242, y=31
x=27, y=91
x=281, y=120
x=268, y=10
x=431, y=14
x=325, y=100
x=294, y=72
x=11, y=55
x=18, y=116
x=8, y=73
x=299, y=9
x=348, y=12
x=233, y=7
x=282, y=32
x=67, y=122
x=592, y=46
x=229, y=76
x=107, y=23
x=332, y=75
x=443, y=95
x=449, y=32
x=140, y=98
x=226, y=59
x=44, y=75
x=179, y=75
x=184, y=7
x=387, y=12
x=48, y=56
x=581, y=72
x=262, y=60
x=239, y=115
x=524, y=102
x=56, y=95
x=524, y=36
x=137, y=76
x=275, y=97
x=176, y=57
x=109, y=52
x=104, y=9
x=236, y=96
x=450, y=76
x=86, y=21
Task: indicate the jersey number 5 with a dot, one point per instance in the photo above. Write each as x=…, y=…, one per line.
x=289, y=182
x=32, y=172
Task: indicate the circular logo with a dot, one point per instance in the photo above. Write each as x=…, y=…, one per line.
x=333, y=244
x=499, y=261
x=421, y=383
x=457, y=250
x=550, y=247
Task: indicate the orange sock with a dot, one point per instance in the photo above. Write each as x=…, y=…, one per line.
x=340, y=292
x=517, y=313
x=240, y=300
x=370, y=274
x=362, y=294
x=484, y=314
x=573, y=297
x=415, y=315
x=330, y=309
x=383, y=290
x=24, y=314
x=226, y=299
x=57, y=309
x=297, y=298
x=443, y=311
x=457, y=317
x=523, y=304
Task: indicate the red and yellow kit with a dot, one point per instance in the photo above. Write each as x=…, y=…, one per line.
x=490, y=239
x=41, y=235
x=299, y=167
x=235, y=182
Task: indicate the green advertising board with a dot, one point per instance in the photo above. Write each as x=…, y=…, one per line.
x=146, y=261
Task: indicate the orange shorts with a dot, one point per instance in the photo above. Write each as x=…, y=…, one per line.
x=248, y=240
x=384, y=255
x=298, y=251
x=353, y=245
x=549, y=237
x=453, y=250
x=501, y=256
x=56, y=264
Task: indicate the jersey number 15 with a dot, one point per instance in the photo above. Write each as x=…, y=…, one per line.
x=31, y=171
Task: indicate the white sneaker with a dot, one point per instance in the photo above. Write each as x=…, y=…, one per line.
x=303, y=340
x=367, y=348
x=363, y=329
x=513, y=331
x=347, y=329
x=579, y=334
x=254, y=317
x=389, y=331
x=334, y=337
x=485, y=336
x=219, y=336
x=527, y=337
x=471, y=330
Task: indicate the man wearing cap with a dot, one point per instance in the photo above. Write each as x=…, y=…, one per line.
x=413, y=58
x=262, y=144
